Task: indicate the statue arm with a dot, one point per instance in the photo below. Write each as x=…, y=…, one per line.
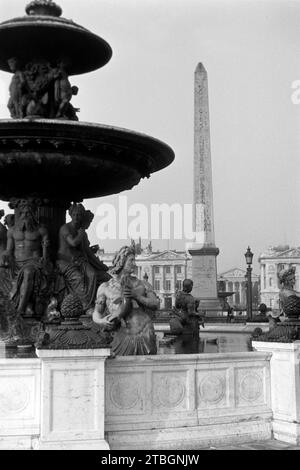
x=9, y=252
x=150, y=300
x=10, y=247
x=73, y=241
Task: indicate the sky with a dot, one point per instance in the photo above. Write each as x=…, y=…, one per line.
x=251, y=51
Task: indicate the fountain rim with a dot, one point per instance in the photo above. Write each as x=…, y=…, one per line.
x=162, y=155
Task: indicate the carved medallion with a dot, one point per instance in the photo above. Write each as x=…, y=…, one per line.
x=169, y=392
x=212, y=389
x=125, y=394
x=251, y=387
x=14, y=397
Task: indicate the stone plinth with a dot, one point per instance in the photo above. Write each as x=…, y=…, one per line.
x=72, y=399
x=285, y=388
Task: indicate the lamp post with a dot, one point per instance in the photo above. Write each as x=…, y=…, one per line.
x=249, y=257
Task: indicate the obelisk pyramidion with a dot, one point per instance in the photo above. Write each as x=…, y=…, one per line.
x=203, y=249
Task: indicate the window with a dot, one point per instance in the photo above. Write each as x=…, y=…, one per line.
x=271, y=282
x=157, y=285
x=168, y=269
x=168, y=285
x=179, y=285
x=178, y=269
x=156, y=269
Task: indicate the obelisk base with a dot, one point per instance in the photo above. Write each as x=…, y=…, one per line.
x=204, y=276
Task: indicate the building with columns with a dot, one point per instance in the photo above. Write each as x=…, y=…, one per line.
x=234, y=280
x=271, y=263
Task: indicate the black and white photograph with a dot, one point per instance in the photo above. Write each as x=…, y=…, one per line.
x=149, y=227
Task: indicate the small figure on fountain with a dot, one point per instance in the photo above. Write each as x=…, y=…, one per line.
x=124, y=304
x=187, y=317
x=19, y=94
x=63, y=92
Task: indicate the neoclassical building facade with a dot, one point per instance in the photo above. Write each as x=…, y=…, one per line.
x=271, y=263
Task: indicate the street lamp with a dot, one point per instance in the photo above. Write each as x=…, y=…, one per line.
x=249, y=257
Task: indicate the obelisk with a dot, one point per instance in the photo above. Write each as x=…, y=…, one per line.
x=203, y=249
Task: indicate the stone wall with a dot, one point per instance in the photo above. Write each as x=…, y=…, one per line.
x=187, y=401
x=150, y=402
x=20, y=391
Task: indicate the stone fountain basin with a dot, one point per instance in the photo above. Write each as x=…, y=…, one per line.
x=74, y=160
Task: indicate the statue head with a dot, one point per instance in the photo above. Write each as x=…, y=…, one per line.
x=187, y=285
x=13, y=64
x=9, y=220
x=124, y=261
x=26, y=215
x=287, y=277
x=263, y=308
x=77, y=213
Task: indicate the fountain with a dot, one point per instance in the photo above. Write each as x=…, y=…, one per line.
x=69, y=394
x=50, y=160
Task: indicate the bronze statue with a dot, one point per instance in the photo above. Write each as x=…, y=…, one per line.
x=185, y=300
x=39, y=79
x=63, y=92
x=41, y=90
x=19, y=98
x=289, y=298
x=26, y=256
x=124, y=304
x=186, y=315
x=80, y=269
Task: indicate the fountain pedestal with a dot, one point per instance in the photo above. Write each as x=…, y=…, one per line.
x=285, y=388
x=72, y=399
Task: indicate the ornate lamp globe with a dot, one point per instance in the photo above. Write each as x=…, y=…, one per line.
x=249, y=256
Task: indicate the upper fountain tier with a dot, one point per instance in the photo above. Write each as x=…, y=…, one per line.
x=44, y=151
x=44, y=35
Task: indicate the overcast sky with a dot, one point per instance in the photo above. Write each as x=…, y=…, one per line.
x=251, y=51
